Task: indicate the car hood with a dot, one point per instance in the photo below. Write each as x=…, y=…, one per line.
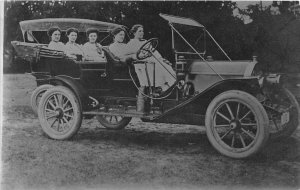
x=233, y=68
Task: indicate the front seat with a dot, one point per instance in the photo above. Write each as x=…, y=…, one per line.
x=112, y=59
x=118, y=68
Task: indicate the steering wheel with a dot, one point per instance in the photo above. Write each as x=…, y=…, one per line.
x=147, y=49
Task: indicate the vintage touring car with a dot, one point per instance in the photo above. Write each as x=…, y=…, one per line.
x=239, y=109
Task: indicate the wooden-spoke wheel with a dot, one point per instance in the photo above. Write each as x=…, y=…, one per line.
x=37, y=95
x=237, y=124
x=59, y=113
x=113, y=122
x=283, y=111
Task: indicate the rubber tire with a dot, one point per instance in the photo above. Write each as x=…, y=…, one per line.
x=77, y=110
x=293, y=123
x=121, y=125
x=37, y=92
x=257, y=109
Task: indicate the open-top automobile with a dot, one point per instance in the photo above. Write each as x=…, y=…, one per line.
x=240, y=110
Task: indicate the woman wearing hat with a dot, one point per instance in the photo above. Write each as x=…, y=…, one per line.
x=72, y=49
x=93, y=50
x=54, y=33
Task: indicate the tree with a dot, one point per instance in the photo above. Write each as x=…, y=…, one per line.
x=275, y=37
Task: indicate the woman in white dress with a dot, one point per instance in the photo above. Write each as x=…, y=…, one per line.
x=93, y=50
x=54, y=33
x=165, y=76
x=118, y=47
x=72, y=49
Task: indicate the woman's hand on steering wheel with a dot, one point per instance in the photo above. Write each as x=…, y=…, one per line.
x=147, y=49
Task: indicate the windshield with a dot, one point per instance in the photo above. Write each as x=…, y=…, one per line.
x=188, y=39
x=188, y=35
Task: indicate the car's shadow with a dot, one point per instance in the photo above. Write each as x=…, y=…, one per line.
x=287, y=149
x=195, y=142
x=186, y=143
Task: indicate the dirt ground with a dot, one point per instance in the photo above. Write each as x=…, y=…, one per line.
x=142, y=156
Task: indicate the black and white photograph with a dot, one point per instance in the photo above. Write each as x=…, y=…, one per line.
x=150, y=95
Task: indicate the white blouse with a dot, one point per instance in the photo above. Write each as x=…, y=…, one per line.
x=56, y=46
x=73, y=49
x=119, y=49
x=92, y=51
x=135, y=44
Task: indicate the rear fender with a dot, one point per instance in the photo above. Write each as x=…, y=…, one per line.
x=75, y=86
x=41, y=77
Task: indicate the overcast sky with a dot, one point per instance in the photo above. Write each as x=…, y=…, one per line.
x=244, y=4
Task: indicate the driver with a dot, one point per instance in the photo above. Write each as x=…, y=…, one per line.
x=163, y=78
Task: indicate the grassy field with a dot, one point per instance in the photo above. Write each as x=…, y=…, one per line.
x=142, y=156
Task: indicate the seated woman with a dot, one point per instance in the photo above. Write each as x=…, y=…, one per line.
x=118, y=47
x=93, y=50
x=165, y=75
x=72, y=49
x=54, y=33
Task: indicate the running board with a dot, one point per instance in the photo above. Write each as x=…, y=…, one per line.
x=124, y=114
x=176, y=108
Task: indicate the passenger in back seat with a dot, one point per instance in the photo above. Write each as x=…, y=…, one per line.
x=93, y=50
x=54, y=33
x=72, y=49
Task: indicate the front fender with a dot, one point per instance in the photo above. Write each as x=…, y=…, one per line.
x=75, y=86
x=250, y=85
x=199, y=102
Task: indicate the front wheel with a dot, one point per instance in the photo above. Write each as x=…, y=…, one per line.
x=113, y=122
x=60, y=113
x=236, y=124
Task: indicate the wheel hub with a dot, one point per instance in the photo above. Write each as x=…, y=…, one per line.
x=235, y=125
x=59, y=112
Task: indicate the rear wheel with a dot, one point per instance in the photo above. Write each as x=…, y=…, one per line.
x=60, y=113
x=113, y=122
x=37, y=95
x=283, y=111
x=236, y=124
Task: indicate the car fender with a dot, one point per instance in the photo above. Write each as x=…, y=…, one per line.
x=199, y=102
x=249, y=85
x=75, y=86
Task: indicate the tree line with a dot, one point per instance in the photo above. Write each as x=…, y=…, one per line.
x=273, y=37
